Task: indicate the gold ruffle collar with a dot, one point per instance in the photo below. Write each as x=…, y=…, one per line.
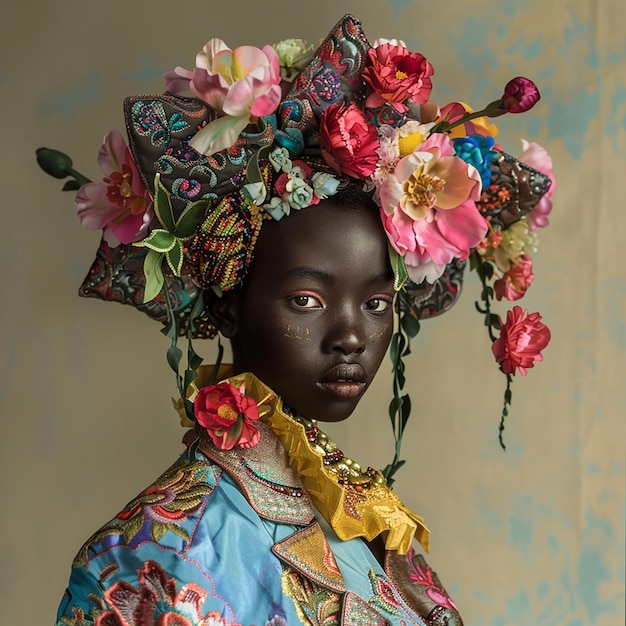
x=351, y=510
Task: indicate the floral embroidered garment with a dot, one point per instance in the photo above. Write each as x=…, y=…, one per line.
x=230, y=537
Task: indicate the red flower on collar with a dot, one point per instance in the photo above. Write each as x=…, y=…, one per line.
x=228, y=416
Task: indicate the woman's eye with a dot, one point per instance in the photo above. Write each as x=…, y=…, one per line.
x=378, y=305
x=303, y=301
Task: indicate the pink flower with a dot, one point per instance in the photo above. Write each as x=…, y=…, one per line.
x=348, y=142
x=515, y=282
x=119, y=203
x=428, y=208
x=243, y=84
x=395, y=74
x=228, y=416
x=537, y=157
x=520, y=94
x=521, y=340
x=156, y=601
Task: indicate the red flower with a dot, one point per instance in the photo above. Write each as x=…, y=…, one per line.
x=348, y=142
x=228, y=416
x=522, y=338
x=515, y=282
x=396, y=75
x=520, y=94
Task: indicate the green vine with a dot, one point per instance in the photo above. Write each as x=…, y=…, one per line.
x=175, y=354
x=400, y=405
x=484, y=269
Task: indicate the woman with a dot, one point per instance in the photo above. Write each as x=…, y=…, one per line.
x=287, y=218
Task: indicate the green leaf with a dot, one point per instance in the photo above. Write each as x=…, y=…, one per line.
x=405, y=410
x=158, y=531
x=410, y=325
x=190, y=218
x=71, y=185
x=234, y=432
x=400, y=274
x=163, y=205
x=174, y=257
x=174, y=355
x=394, y=406
x=158, y=240
x=188, y=377
x=193, y=359
x=153, y=272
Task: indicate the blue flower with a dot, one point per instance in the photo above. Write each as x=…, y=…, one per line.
x=476, y=150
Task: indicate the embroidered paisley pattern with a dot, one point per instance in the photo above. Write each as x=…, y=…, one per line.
x=314, y=604
x=163, y=507
x=384, y=597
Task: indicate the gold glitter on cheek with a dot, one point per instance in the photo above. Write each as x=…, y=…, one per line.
x=379, y=334
x=294, y=332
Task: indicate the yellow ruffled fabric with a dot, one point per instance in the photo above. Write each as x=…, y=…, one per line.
x=351, y=513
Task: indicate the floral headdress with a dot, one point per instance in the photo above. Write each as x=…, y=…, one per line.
x=274, y=130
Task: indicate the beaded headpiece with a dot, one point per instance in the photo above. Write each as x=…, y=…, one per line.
x=279, y=129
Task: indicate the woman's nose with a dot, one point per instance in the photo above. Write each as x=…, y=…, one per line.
x=346, y=333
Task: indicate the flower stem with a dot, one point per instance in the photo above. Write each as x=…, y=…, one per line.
x=505, y=409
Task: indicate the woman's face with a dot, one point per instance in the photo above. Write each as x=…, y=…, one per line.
x=315, y=317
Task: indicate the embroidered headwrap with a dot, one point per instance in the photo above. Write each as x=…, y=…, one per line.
x=182, y=206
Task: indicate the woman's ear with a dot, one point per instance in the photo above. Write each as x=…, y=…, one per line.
x=222, y=311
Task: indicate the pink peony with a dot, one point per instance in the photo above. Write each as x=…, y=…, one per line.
x=228, y=416
x=119, y=203
x=395, y=74
x=428, y=208
x=520, y=95
x=243, y=84
x=521, y=340
x=538, y=158
x=515, y=282
x=348, y=142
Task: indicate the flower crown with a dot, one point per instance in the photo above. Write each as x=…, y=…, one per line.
x=274, y=130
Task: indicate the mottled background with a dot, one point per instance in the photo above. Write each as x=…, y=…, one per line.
x=531, y=536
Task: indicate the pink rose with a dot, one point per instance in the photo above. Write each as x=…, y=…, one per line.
x=228, y=416
x=520, y=95
x=537, y=157
x=120, y=204
x=521, y=340
x=515, y=282
x=348, y=142
x=395, y=74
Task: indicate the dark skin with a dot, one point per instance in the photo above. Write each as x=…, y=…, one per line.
x=315, y=316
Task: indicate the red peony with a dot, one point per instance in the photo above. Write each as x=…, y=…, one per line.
x=515, y=282
x=396, y=75
x=521, y=340
x=520, y=94
x=227, y=415
x=348, y=142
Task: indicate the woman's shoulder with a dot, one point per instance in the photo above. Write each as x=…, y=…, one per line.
x=166, y=512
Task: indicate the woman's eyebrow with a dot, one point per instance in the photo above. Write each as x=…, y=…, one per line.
x=308, y=272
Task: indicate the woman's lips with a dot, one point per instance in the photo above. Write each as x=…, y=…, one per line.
x=345, y=381
x=343, y=390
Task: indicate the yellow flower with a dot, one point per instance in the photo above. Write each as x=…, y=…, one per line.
x=516, y=239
